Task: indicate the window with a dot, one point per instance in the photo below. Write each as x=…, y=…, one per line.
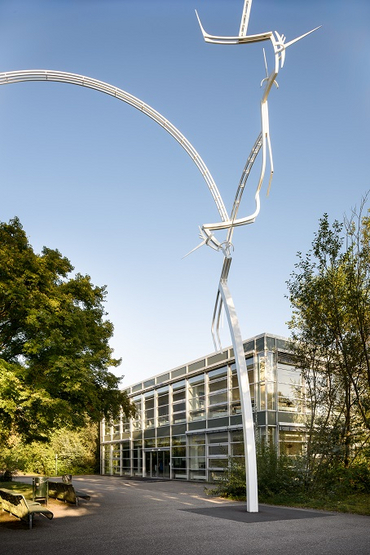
x=197, y=451
x=217, y=385
x=179, y=402
x=217, y=379
x=137, y=459
x=220, y=437
x=149, y=410
x=197, y=459
x=179, y=452
x=217, y=450
x=178, y=385
x=270, y=367
x=136, y=423
x=163, y=441
x=196, y=398
x=179, y=467
x=125, y=424
x=289, y=388
x=237, y=445
x=291, y=442
x=116, y=459
x=179, y=417
x=218, y=398
x=126, y=462
x=163, y=406
x=218, y=411
x=271, y=397
x=218, y=392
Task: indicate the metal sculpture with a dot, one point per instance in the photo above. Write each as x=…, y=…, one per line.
x=228, y=222
x=223, y=298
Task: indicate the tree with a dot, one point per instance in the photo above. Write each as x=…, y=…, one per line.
x=55, y=357
x=66, y=452
x=329, y=292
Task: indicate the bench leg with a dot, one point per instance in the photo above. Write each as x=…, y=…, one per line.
x=30, y=518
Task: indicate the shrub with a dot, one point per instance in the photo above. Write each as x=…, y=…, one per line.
x=336, y=479
x=67, y=452
x=276, y=474
x=7, y=476
x=232, y=482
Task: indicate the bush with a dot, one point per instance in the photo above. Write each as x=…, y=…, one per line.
x=232, y=482
x=276, y=475
x=300, y=482
x=67, y=452
x=336, y=479
x=7, y=476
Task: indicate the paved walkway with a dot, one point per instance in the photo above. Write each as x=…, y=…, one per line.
x=137, y=517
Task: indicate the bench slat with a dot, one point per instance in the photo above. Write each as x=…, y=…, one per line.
x=66, y=492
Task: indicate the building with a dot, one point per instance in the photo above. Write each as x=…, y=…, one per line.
x=188, y=420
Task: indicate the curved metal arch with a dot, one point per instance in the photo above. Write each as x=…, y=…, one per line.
x=7, y=78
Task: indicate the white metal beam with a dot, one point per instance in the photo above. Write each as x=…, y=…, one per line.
x=10, y=77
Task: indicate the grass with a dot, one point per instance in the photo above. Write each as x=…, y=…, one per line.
x=18, y=487
x=355, y=503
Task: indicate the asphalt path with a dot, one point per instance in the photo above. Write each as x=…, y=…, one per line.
x=139, y=517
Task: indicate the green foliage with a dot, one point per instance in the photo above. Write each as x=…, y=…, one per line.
x=285, y=480
x=66, y=452
x=275, y=475
x=329, y=293
x=232, y=483
x=25, y=409
x=55, y=357
x=337, y=479
x=19, y=487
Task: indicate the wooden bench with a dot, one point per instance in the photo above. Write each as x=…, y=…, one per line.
x=16, y=505
x=66, y=492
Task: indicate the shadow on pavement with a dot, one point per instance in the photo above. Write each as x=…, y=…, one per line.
x=266, y=513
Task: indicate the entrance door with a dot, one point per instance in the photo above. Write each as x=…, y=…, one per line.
x=157, y=464
x=163, y=464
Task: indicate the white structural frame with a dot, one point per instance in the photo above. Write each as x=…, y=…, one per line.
x=228, y=223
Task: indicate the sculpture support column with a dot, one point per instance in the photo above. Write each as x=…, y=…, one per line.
x=245, y=398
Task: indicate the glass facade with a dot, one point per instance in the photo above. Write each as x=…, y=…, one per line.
x=188, y=421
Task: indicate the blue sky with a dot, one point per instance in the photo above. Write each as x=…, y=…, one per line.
x=112, y=191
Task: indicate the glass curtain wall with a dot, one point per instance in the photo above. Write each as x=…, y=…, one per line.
x=189, y=427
